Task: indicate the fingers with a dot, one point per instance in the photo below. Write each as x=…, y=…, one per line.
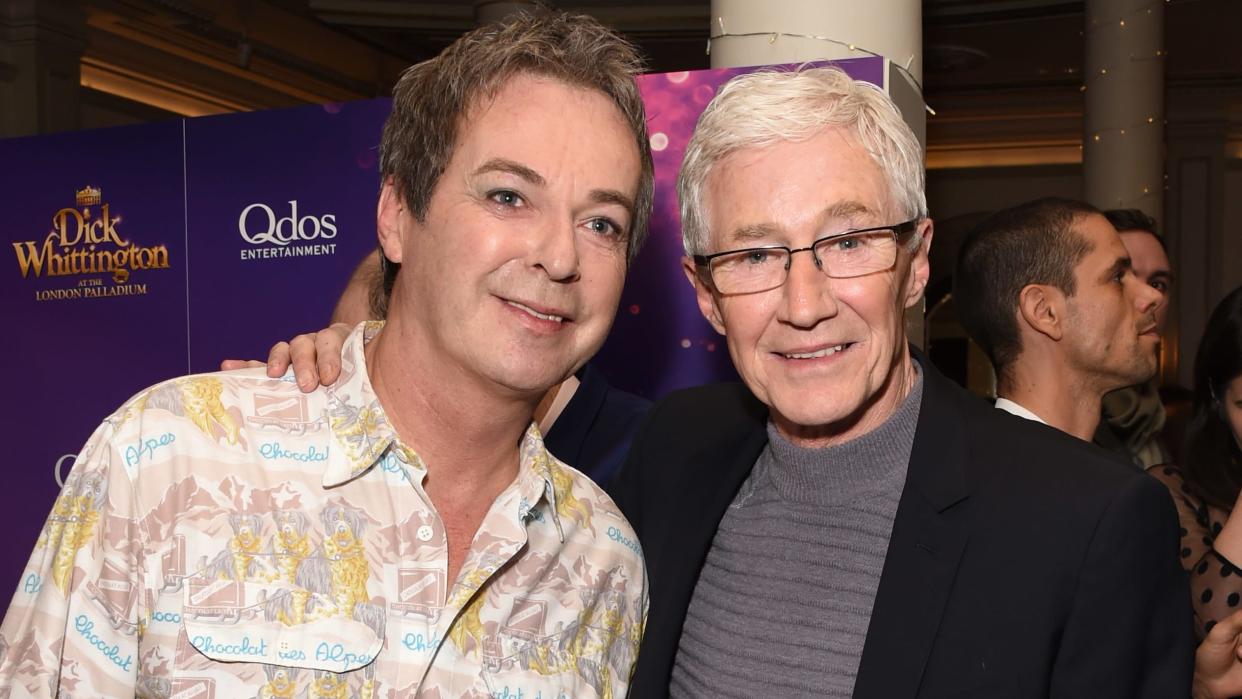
x=315, y=357
x=234, y=364
x=1217, y=660
x=302, y=354
x=329, y=345
x=278, y=360
x=1226, y=630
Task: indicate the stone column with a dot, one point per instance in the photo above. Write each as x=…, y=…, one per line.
x=890, y=28
x=1123, y=138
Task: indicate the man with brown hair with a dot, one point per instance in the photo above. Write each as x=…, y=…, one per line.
x=402, y=531
x=1047, y=289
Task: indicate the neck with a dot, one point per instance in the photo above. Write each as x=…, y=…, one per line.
x=870, y=415
x=466, y=431
x=1069, y=403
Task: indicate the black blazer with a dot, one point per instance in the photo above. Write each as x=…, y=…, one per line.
x=1023, y=562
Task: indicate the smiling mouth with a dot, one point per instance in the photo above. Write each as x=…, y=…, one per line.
x=825, y=352
x=541, y=316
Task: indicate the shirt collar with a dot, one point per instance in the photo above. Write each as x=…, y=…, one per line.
x=1015, y=409
x=364, y=436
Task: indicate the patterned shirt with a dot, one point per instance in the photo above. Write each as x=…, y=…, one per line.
x=225, y=535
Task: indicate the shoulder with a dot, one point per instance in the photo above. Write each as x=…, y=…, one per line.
x=1017, y=459
x=198, y=412
x=1172, y=477
x=237, y=388
x=1191, y=506
x=593, y=526
x=713, y=408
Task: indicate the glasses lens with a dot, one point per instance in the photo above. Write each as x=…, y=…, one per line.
x=747, y=271
x=856, y=254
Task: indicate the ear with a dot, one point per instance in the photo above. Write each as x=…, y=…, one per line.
x=388, y=214
x=708, y=305
x=920, y=264
x=1042, y=308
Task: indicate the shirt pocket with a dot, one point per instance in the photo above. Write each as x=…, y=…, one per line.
x=275, y=624
x=537, y=668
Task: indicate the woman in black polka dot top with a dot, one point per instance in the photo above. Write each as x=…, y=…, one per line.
x=1208, y=489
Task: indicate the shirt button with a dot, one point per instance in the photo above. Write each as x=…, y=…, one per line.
x=424, y=533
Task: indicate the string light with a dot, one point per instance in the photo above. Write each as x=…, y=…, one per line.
x=1146, y=9
x=1098, y=134
x=773, y=37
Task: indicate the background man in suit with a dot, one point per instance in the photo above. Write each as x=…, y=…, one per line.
x=1048, y=290
x=1056, y=295
x=850, y=523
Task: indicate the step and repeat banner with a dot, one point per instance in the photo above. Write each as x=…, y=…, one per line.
x=136, y=254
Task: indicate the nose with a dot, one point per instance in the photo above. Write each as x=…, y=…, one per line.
x=807, y=294
x=1147, y=298
x=555, y=250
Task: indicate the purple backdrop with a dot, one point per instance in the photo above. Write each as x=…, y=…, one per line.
x=79, y=348
x=302, y=183
x=201, y=214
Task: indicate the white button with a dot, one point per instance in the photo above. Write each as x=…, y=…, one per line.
x=424, y=533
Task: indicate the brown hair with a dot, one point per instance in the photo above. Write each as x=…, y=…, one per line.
x=432, y=98
x=1031, y=243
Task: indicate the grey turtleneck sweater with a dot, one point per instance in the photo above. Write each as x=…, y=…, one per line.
x=782, y=605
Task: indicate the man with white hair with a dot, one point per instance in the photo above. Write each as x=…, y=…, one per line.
x=850, y=522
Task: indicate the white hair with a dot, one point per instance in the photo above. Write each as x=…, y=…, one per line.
x=766, y=107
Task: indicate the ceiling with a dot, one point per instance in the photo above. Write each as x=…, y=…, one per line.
x=996, y=71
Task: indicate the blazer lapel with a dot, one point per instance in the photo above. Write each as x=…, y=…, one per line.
x=929, y=536
x=713, y=477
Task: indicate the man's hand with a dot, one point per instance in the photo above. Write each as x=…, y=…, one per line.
x=316, y=357
x=1218, y=661
x=233, y=364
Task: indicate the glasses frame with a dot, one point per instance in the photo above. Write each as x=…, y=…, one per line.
x=704, y=262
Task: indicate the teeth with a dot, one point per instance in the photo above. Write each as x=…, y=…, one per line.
x=537, y=314
x=827, y=351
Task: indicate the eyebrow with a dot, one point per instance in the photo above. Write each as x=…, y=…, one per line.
x=841, y=209
x=845, y=209
x=754, y=231
x=599, y=196
x=1120, y=265
x=513, y=168
x=612, y=196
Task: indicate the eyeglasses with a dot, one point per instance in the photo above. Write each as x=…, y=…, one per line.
x=841, y=255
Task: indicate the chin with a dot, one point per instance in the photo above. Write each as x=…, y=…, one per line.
x=534, y=377
x=533, y=384
x=806, y=411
